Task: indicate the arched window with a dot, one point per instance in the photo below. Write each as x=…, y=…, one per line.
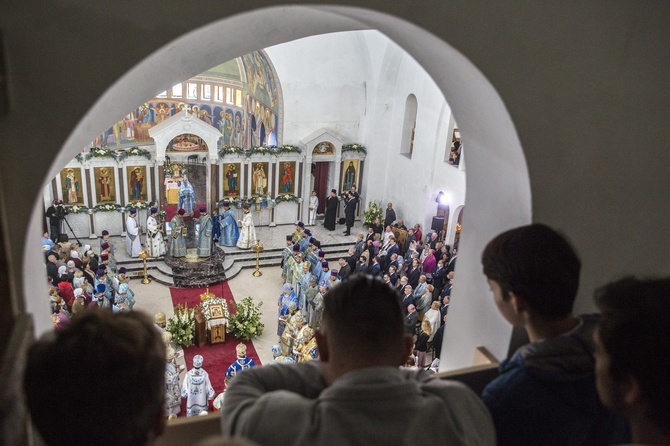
x=409, y=126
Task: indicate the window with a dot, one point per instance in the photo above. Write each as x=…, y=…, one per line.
x=177, y=91
x=191, y=90
x=229, y=95
x=454, y=149
x=218, y=93
x=207, y=92
x=238, y=98
x=409, y=127
x=162, y=95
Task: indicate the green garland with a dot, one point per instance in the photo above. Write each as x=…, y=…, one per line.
x=245, y=322
x=108, y=207
x=97, y=152
x=358, y=148
x=135, y=151
x=259, y=150
x=139, y=205
x=76, y=209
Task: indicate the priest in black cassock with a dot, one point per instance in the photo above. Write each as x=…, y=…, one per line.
x=331, y=211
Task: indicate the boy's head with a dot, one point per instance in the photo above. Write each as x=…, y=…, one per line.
x=632, y=337
x=538, y=266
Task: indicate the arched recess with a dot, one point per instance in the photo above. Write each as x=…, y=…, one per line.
x=497, y=180
x=409, y=126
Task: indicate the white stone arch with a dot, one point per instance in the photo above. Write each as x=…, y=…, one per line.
x=184, y=122
x=497, y=181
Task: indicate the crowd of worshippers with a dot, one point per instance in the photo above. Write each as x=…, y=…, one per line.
x=581, y=379
x=79, y=278
x=422, y=271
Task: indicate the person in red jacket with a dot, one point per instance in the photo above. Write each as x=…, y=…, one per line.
x=66, y=291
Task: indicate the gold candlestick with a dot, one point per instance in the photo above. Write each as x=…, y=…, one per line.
x=257, y=248
x=143, y=255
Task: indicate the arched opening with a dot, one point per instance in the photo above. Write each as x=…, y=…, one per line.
x=409, y=126
x=496, y=186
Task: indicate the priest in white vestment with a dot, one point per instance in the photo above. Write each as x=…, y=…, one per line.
x=133, y=243
x=155, y=243
x=197, y=389
x=247, y=230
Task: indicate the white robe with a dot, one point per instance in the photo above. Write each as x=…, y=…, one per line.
x=247, y=232
x=133, y=244
x=313, y=204
x=155, y=244
x=197, y=389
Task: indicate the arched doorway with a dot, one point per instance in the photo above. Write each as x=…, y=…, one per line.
x=490, y=184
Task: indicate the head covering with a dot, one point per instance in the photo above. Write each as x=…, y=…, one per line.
x=104, y=256
x=62, y=270
x=312, y=240
x=299, y=320
x=154, y=210
x=78, y=292
x=181, y=212
x=276, y=350
x=288, y=287
x=317, y=244
x=70, y=263
x=203, y=209
x=100, y=273
x=133, y=211
x=312, y=279
x=101, y=288
x=104, y=246
x=289, y=238
x=324, y=264
x=333, y=272
x=226, y=204
x=334, y=191
x=301, y=224
x=197, y=361
x=74, y=254
x=308, y=332
x=123, y=288
x=308, y=232
x=159, y=318
x=122, y=270
x=324, y=284
x=296, y=248
x=322, y=254
x=167, y=337
x=241, y=350
x=105, y=232
x=292, y=306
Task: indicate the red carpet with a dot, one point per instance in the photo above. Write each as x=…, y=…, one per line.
x=216, y=357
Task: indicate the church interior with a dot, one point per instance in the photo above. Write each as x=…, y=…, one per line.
x=560, y=115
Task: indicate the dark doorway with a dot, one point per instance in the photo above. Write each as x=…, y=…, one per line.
x=321, y=184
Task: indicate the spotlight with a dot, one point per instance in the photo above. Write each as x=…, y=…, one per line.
x=442, y=199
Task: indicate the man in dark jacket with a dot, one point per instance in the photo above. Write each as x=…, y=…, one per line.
x=349, y=212
x=345, y=269
x=390, y=215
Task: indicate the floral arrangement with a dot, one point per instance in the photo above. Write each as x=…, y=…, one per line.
x=259, y=150
x=108, y=207
x=97, y=152
x=135, y=151
x=206, y=307
x=76, y=209
x=245, y=322
x=286, y=198
x=354, y=148
x=373, y=211
x=139, y=205
x=182, y=325
x=170, y=168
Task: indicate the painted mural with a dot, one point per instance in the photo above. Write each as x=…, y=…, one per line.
x=287, y=177
x=259, y=178
x=137, y=182
x=231, y=184
x=105, y=187
x=241, y=98
x=350, y=175
x=186, y=142
x=71, y=186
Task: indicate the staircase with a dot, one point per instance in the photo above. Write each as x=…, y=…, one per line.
x=234, y=262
